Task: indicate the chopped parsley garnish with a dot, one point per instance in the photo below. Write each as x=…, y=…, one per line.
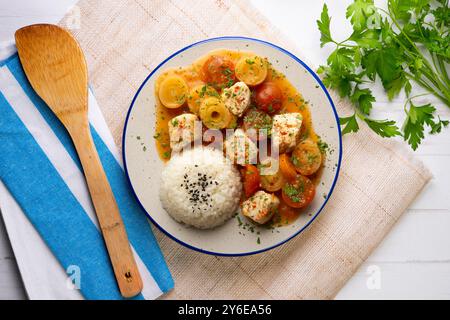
x=208, y=91
x=323, y=146
x=229, y=77
x=295, y=161
x=230, y=82
x=239, y=220
x=227, y=71
x=291, y=192
x=311, y=158
x=202, y=91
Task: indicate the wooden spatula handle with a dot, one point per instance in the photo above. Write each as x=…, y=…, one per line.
x=110, y=221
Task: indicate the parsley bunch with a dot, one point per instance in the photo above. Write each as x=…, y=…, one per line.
x=408, y=42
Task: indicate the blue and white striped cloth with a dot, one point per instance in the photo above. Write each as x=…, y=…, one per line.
x=40, y=169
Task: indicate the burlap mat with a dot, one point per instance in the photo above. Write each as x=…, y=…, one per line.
x=124, y=40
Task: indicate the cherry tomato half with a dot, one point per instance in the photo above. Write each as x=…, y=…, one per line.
x=219, y=72
x=268, y=97
x=299, y=193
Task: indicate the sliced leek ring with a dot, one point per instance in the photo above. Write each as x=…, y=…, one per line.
x=173, y=92
x=198, y=94
x=251, y=70
x=214, y=114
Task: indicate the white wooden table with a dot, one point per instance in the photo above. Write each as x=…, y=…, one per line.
x=413, y=262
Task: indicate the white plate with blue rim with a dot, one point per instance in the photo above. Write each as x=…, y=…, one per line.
x=236, y=237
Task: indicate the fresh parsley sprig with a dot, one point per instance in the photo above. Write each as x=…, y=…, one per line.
x=409, y=42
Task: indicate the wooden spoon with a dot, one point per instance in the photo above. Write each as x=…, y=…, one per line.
x=56, y=68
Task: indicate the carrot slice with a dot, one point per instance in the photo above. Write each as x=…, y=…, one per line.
x=287, y=167
x=250, y=175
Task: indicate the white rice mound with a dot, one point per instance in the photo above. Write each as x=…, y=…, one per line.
x=200, y=188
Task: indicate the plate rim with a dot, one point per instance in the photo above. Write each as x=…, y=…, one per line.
x=338, y=168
